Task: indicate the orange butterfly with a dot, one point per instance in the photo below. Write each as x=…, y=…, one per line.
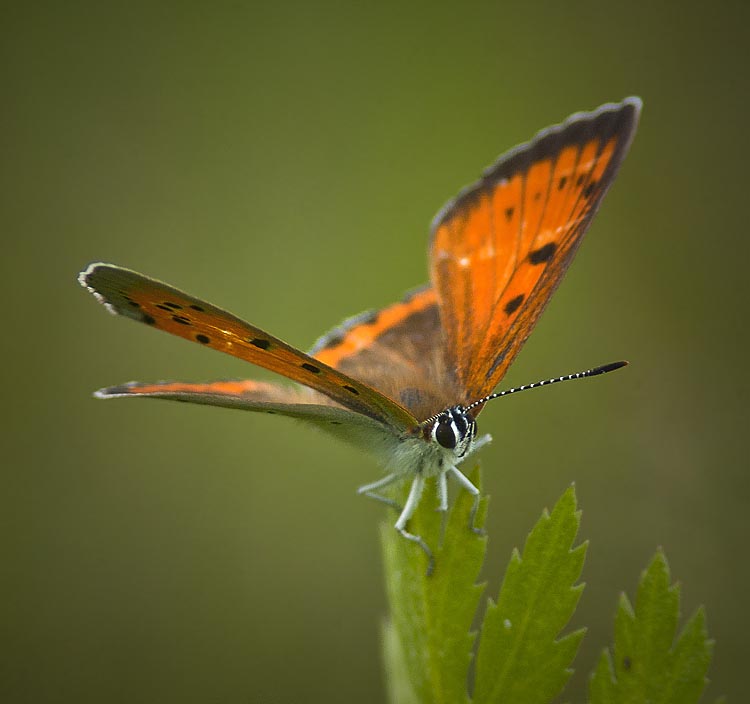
x=408, y=382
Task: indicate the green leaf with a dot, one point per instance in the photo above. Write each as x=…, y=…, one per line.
x=648, y=665
x=397, y=684
x=520, y=658
x=431, y=616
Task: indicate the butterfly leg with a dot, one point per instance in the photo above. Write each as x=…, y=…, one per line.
x=442, y=490
x=370, y=490
x=415, y=493
x=485, y=439
x=466, y=484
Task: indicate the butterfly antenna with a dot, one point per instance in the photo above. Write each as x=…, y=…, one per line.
x=596, y=371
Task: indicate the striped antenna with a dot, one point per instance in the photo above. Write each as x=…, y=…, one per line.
x=580, y=375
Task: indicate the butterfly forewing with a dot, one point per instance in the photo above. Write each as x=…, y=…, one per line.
x=501, y=248
x=151, y=302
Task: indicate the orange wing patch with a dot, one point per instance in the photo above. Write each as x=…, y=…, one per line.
x=361, y=331
x=500, y=250
x=128, y=293
x=261, y=397
x=399, y=351
x=261, y=391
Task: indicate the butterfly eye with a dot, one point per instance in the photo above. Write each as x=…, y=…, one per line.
x=444, y=434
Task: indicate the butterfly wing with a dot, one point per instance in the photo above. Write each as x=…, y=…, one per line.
x=241, y=393
x=501, y=247
x=128, y=293
x=264, y=397
x=390, y=349
x=397, y=350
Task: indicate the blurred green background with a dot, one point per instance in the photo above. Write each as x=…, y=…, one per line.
x=284, y=161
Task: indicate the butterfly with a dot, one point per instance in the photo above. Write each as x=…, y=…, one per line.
x=407, y=382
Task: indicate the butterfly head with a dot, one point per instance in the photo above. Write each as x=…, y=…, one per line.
x=454, y=429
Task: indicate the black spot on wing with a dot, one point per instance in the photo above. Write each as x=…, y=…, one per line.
x=561, y=183
x=543, y=254
x=310, y=368
x=509, y=214
x=181, y=319
x=351, y=389
x=513, y=304
x=609, y=121
x=197, y=307
x=260, y=343
x=203, y=339
x=148, y=319
x=589, y=190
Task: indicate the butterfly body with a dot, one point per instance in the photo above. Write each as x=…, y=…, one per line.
x=407, y=383
x=434, y=445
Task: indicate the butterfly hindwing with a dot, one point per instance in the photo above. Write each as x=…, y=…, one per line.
x=241, y=393
x=128, y=293
x=264, y=397
x=500, y=249
x=397, y=350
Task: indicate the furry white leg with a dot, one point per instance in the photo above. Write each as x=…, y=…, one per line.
x=480, y=442
x=371, y=489
x=412, y=501
x=442, y=491
x=466, y=484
